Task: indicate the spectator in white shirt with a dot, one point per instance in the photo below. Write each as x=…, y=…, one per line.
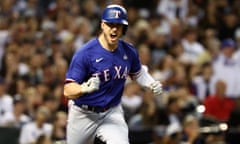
x=30, y=132
x=192, y=48
x=226, y=68
x=173, y=9
x=16, y=118
x=6, y=101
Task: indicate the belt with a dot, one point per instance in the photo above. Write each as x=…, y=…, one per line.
x=95, y=109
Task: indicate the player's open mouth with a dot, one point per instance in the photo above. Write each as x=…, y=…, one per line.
x=113, y=36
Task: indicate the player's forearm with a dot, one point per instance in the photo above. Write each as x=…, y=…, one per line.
x=72, y=90
x=144, y=78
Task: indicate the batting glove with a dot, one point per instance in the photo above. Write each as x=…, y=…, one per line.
x=156, y=88
x=91, y=85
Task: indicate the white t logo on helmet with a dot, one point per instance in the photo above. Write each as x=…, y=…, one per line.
x=115, y=14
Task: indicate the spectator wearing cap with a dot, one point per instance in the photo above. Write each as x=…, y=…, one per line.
x=225, y=68
x=6, y=101
x=16, y=118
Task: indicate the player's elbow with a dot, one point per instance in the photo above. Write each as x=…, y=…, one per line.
x=66, y=93
x=70, y=91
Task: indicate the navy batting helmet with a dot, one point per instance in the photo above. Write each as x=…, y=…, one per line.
x=115, y=14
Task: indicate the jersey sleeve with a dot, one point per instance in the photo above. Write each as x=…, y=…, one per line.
x=135, y=64
x=78, y=68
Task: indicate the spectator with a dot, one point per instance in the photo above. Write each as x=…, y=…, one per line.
x=173, y=9
x=147, y=115
x=159, y=46
x=232, y=137
x=191, y=133
x=131, y=99
x=229, y=24
x=164, y=69
x=187, y=101
x=225, y=67
x=4, y=36
x=174, y=132
x=219, y=101
x=193, y=15
x=177, y=78
x=43, y=139
x=59, y=126
x=176, y=30
x=160, y=136
x=145, y=55
x=141, y=31
x=210, y=15
x=31, y=131
x=51, y=103
x=33, y=100
x=171, y=113
x=17, y=118
x=192, y=48
x=6, y=101
x=201, y=83
x=212, y=45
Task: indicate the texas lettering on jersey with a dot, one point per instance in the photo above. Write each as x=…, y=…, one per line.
x=119, y=72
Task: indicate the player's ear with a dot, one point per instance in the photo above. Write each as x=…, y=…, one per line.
x=102, y=24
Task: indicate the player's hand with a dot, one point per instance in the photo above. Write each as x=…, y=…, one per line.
x=91, y=85
x=156, y=88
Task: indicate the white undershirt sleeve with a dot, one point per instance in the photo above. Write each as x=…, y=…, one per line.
x=143, y=78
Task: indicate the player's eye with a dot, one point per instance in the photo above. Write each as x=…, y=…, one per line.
x=112, y=25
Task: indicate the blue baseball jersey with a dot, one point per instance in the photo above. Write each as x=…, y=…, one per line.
x=111, y=67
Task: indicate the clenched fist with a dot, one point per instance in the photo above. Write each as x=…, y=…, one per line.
x=91, y=85
x=156, y=88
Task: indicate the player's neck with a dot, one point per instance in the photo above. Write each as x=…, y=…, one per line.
x=105, y=44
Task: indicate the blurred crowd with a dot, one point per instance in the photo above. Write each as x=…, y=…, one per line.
x=191, y=46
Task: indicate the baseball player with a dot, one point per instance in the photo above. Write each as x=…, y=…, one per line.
x=95, y=82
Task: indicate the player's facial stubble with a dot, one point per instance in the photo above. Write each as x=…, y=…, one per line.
x=111, y=32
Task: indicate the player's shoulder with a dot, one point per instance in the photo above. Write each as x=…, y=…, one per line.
x=88, y=45
x=127, y=46
x=86, y=48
